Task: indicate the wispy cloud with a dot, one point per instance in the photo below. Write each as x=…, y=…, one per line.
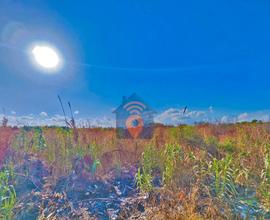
x=43, y=114
x=43, y=119
x=244, y=116
x=171, y=116
x=176, y=116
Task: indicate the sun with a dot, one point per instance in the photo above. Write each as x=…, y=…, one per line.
x=47, y=57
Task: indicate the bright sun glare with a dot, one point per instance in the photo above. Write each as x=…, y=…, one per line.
x=46, y=56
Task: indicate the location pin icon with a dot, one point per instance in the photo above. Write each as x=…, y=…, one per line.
x=134, y=125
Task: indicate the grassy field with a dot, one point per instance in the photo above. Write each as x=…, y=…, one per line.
x=203, y=171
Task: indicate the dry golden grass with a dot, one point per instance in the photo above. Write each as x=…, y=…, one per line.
x=188, y=196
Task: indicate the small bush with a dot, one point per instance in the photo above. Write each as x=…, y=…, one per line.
x=190, y=136
x=227, y=146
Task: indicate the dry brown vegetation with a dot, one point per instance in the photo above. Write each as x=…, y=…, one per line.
x=186, y=172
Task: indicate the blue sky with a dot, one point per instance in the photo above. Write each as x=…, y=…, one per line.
x=172, y=53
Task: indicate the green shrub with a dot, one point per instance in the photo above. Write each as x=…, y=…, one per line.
x=189, y=135
x=38, y=139
x=7, y=194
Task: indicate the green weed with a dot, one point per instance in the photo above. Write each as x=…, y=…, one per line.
x=264, y=188
x=7, y=194
x=171, y=155
x=224, y=176
x=144, y=175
